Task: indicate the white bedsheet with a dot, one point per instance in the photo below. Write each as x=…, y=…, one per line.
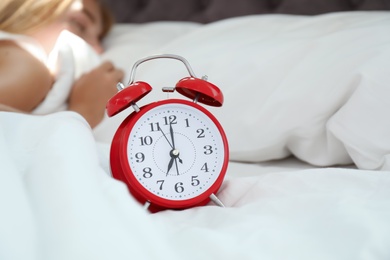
x=59, y=202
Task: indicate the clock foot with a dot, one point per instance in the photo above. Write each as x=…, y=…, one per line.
x=216, y=200
x=146, y=205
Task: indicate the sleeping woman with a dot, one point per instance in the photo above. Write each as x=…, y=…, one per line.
x=28, y=33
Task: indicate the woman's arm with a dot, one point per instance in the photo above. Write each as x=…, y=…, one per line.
x=24, y=80
x=92, y=90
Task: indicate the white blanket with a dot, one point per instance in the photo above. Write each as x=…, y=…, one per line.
x=70, y=58
x=58, y=200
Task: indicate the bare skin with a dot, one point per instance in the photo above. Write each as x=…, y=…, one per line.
x=87, y=23
x=91, y=92
x=23, y=85
x=88, y=97
x=25, y=81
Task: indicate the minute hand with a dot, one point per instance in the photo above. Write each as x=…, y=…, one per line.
x=173, y=140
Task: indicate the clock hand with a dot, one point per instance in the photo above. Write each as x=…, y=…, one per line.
x=180, y=160
x=170, y=164
x=174, y=155
x=173, y=142
x=165, y=137
x=171, y=132
x=177, y=168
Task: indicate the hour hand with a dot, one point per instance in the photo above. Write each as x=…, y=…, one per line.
x=170, y=164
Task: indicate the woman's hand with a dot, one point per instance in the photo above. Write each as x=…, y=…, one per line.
x=92, y=90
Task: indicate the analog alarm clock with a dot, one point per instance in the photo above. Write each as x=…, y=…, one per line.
x=173, y=153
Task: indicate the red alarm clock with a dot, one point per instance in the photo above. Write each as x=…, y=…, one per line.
x=173, y=153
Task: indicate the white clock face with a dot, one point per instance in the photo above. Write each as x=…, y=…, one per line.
x=175, y=151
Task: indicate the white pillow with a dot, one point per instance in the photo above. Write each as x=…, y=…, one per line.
x=284, y=77
x=363, y=123
x=127, y=43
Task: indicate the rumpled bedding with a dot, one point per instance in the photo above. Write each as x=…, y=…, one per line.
x=315, y=88
x=312, y=87
x=59, y=202
x=70, y=58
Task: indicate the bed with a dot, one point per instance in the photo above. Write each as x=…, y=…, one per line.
x=306, y=113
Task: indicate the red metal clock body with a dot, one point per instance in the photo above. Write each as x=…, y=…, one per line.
x=171, y=154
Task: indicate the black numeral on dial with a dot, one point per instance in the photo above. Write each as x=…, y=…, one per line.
x=147, y=140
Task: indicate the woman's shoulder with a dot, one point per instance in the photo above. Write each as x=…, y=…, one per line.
x=25, y=42
x=15, y=61
x=12, y=54
x=14, y=57
x=25, y=80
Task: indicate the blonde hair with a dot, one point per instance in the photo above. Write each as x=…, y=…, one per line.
x=25, y=16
